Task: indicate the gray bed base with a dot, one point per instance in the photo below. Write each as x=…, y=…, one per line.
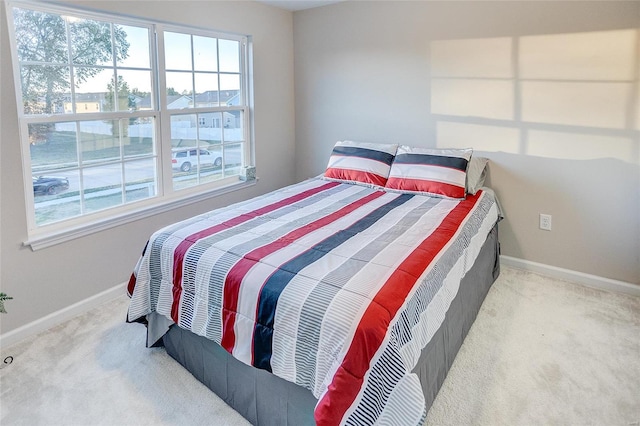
x=265, y=399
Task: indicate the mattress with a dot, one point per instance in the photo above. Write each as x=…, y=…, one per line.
x=334, y=288
x=265, y=399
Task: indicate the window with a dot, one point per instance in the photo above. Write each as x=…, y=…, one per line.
x=118, y=114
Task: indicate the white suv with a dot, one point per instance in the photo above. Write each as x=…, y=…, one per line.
x=184, y=160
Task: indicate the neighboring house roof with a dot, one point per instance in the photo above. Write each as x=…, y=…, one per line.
x=178, y=101
x=235, y=99
x=91, y=97
x=143, y=103
x=223, y=96
x=174, y=101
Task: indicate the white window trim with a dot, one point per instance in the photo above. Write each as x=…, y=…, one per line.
x=44, y=240
x=70, y=229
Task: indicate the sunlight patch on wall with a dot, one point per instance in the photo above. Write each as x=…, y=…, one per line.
x=472, y=78
x=591, y=104
x=472, y=97
x=477, y=58
x=576, y=146
x=567, y=96
x=601, y=55
x=477, y=136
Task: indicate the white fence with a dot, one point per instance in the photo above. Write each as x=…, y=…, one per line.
x=179, y=130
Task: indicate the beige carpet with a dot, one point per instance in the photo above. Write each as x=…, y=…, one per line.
x=542, y=352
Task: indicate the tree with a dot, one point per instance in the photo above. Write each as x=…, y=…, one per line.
x=41, y=39
x=124, y=100
x=137, y=92
x=171, y=91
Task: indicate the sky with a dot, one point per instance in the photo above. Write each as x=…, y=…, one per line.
x=178, y=60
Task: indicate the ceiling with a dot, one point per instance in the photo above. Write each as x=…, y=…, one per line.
x=294, y=5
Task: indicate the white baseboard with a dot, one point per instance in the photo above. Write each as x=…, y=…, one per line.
x=593, y=281
x=56, y=318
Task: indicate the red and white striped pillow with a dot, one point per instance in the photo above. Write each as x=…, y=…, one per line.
x=436, y=172
x=360, y=162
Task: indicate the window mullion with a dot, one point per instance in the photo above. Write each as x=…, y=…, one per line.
x=123, y=182
x=246, y=113
x=193, y=72
x=163, y=161
x=72, y=86
x=218, y=76
x=81, y=191
x=222, y=112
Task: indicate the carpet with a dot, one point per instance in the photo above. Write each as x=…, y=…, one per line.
x=541, y=352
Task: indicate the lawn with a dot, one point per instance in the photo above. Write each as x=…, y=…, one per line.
x=61, y=149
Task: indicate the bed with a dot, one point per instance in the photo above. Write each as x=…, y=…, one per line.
x=342, y=299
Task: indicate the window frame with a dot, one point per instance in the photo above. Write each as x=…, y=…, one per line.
x=167, y=197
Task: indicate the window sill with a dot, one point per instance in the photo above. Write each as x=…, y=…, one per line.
x=44, y=240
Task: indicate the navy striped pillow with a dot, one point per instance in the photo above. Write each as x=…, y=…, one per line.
x=360, y=162
x=436, y=172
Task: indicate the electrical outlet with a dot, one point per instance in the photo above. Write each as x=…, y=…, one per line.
x=545, y=222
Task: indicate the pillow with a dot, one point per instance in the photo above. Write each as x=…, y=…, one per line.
x=435, y=172
x=476, y=173
x=360, y=162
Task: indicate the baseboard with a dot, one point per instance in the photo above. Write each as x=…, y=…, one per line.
x=58, y=317
x=588, y=280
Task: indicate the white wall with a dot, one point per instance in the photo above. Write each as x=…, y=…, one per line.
x=51, y=279
x=547, y=90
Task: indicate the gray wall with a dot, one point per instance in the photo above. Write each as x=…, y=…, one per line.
x=51, y=279
x=547, y=90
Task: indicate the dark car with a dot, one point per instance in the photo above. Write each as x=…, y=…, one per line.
x=49, y=185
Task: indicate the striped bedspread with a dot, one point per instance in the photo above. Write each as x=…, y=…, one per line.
x=332, y=286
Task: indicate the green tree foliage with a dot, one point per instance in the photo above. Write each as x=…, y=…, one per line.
x=137, y=92
x=43, y=51
x=124, y=98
